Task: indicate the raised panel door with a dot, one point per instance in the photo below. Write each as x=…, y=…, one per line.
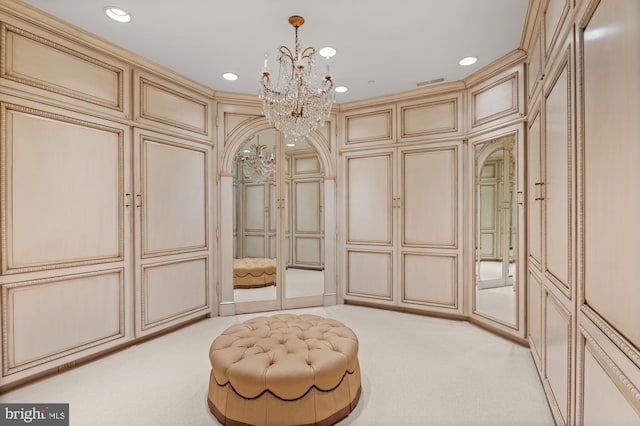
x=171, y=199
x=429, y=197
x=70, y=171
x=369, y=198
x=171, y=195
x=535, y=192
x=558, y=180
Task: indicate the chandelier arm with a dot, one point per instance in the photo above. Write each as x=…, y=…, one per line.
x=285, y=52
x=308, y=53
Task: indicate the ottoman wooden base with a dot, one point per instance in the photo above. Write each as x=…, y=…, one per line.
x=284, y=370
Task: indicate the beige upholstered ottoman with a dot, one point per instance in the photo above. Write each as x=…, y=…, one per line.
x=284, y=370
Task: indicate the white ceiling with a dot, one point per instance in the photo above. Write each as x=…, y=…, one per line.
x=396, y=44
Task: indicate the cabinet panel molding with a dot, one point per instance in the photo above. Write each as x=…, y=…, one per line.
x=430, y=279
x=369, y=192
x=534, y=64
x=555, y=15
x=44, y=320
x=172, y=197
x=608, y=395
x=610, y=204
x=71, y=169
x=429, y=197
x=495, y=99
x=171, y=106
x=370, y=274
x=374, y=125
x=557, y=355
x=173, y=290
x=535, y=190
x=558, y=171
x=534, y=310
x=52, y=64
x=439, y=117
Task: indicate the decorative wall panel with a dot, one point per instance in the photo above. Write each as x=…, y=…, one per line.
x=557, y=353
x=173, y=196
x=71, y=169
x=534, y=311
x=430, y=279
x=159, y=102
x=611, y=152
x=171, y=290
x=558, y=182
x=554, y=17
x=374, y=125
x=429, y=197
x=52, y=64
x=438, y=116
x=369, y=199
x=495, y=99
x=370, y=274
x=47, y=319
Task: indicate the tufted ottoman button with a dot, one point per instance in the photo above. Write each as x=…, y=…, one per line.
x=284, y=370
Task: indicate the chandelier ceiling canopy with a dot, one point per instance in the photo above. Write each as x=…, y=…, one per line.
x=301, y=97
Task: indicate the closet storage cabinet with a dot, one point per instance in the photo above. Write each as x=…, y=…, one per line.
x=84, y=186
x=582, y=225
x=402, y=204
x=65, y=237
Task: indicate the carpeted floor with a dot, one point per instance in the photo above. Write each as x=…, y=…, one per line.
x=416, y=370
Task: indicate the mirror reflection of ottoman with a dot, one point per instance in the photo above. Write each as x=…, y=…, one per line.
x=284, y=370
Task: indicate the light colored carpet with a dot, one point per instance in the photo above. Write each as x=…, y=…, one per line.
x=416, y=370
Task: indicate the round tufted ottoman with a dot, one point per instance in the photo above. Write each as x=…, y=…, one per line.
x=284, y=370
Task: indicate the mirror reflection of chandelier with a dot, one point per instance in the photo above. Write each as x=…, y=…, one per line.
x=258, y=163
x=300, y=100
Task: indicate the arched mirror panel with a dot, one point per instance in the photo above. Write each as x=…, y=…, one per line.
x=278, y=222
x=496, y=289
x=255, y=219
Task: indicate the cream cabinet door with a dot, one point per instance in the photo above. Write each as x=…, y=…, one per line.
x=428, y=219
x=65, y=237
x=369, y=219
x=171, y=178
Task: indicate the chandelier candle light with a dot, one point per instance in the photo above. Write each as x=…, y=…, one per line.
x=296, y=105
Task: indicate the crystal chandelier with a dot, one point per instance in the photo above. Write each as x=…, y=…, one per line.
x=300, y=100
x=258, y=163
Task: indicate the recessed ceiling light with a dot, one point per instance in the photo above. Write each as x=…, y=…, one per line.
x=291, y=144
x=341, y=89
x=117, y=14
x=230, y=76
x=327, y=52
x=469, y=60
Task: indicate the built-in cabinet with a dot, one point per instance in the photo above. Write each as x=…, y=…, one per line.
x=105, y=221
x=402, y=226
x=582, y=136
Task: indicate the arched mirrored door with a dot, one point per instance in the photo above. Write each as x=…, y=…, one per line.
x=278, y=224
x=304, y=225
x=255, y=215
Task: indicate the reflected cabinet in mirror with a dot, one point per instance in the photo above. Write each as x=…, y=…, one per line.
x=496, y=289
x=254, y=228
x=278, y=190
x=304, y=183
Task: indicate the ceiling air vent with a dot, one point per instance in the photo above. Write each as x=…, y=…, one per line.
x=426, y=83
